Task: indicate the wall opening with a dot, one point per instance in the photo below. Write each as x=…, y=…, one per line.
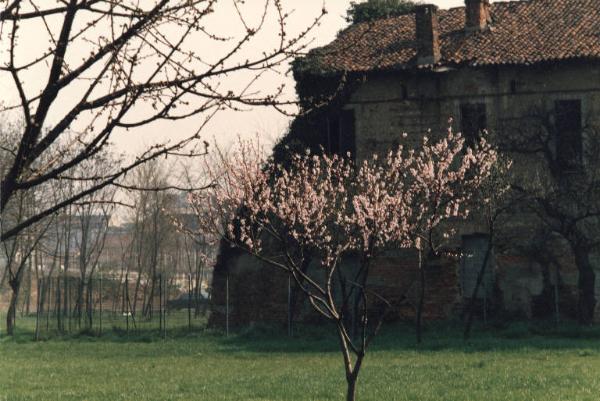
x=341, y=137
x=569, y=148
x=473, y=122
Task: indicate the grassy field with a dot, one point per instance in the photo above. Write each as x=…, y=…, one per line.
x=519, y=363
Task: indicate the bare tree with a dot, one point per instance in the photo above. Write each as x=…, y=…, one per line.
x=117, y=65
x=18, y=250
x=151, y=230
x=494, y=202
x=563, y=189
x=92, y=215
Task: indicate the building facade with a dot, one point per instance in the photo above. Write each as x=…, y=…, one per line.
x=525, y=72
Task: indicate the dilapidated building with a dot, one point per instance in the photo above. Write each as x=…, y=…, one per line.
x=528, y=72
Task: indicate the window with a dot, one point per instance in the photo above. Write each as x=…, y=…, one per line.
x=474, y=248
x=473, y=122
x=340, y=133
x=403, y=92
x=568, y=134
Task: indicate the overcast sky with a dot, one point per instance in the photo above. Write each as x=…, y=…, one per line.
x=268, y=123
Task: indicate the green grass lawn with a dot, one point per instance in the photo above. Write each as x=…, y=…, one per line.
x=517, y=364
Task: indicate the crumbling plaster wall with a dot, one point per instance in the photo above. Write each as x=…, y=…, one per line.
x=388, y=105
x=259, y=293
x=382, y=113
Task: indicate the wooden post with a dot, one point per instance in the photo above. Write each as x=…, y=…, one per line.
x=126, y=296
x=58, y=306
x=289, y=302
x=419, y=314
x=556, y=300
x=165, y=296
x=160, y=293
x=91, y=303
x=48, y=302
x=37, y=310
x=227, y=306
x=484, y=304
x=189, y=301
x=70, y=309
x=100, y=300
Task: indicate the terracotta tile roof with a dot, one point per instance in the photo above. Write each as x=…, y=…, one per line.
x=522, y=32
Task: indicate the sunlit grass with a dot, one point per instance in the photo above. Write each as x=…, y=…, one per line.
x=517, y=363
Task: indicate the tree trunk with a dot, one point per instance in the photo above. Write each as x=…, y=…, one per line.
x=136, y=291
x=351, y=392
x=149, y=299
x=587, y=284
x=4, y=276
x=58, y=306
x=67, y=312
x=198, y=289
x=352, y=370
x=12, y=309
x=89, y=304
x=79, y=301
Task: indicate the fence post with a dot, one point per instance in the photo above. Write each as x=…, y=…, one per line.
x=58, y=305
x=556, y=299
x=100, y=299
x=91, y=303
x=289, y=294
x=227, y=305
x=189, y=301
x=37, y=310
x=484, y=304
x=126, y=296
x=160, y=294
x=166, y=295
x=48, y=302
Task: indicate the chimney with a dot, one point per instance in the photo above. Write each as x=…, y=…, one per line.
x=428, y=34
x=477, y=14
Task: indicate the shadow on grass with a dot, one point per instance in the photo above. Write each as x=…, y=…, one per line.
x=446, y=336
x=438, y=336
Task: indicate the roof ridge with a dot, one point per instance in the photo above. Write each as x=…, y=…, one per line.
x=569, y=31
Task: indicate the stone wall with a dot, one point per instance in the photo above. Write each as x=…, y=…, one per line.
x=387, y=105
x=259, y=293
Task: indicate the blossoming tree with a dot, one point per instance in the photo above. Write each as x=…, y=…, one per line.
x=309, y=217
x=447, y=181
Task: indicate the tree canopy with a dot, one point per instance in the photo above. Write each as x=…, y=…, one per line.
x=375, y=9
x=105, y=67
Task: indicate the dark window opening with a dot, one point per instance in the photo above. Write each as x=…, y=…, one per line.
x=513, y=86
x=340, y=133
x=473, y=122
x=438, y=84
x=403, y=92
x=569, y=147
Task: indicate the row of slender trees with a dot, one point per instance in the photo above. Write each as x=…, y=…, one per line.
x=81, y=73
x=129, y=236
